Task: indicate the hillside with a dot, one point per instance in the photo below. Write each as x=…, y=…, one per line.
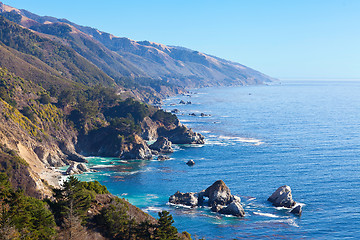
x=123, y=59
x=39, y=132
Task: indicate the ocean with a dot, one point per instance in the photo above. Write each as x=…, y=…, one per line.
x=304, y=134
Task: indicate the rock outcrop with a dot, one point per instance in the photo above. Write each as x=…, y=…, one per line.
x=189, y=199
x=163, y=158
x=182, y=135
x=190, y=163
x=282, y=197
x=297, y=210
x=218, y=193
x=77, y=168
x=162, y=145
x=149, y=129
x=234, y=208
x=220, y=199
x=139, y=151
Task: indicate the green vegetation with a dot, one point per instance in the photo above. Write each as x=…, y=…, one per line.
x=66, y=217
x=60, y=59
x=165, y=117
x=60, y=91
x=165, y=230
x=23, y=217
x=12, y=16
x=56, y=29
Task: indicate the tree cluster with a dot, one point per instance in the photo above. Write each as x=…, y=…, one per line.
x=67, y=216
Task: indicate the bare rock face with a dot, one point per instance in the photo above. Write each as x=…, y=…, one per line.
x=73, y=170
x=189, y=199
x=149, y=129
x=234, y=208
x=82, y=167
x=162, y=145
x=282, y=197
x=297, y=210
x=220, y=199
x=182, y=135
x=139, y=151
x=218, y=193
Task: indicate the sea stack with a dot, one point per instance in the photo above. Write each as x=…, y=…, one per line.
x=282, y=197
x=219, y=199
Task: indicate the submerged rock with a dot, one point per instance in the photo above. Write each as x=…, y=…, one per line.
x=282, y=197
x=190, y=163
x=163, y=158
x=188, y=199
x=163, y=145
x=175, y=111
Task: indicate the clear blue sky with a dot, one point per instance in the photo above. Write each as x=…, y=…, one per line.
x=281, y=38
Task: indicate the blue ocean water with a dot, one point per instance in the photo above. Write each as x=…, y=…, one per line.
x=258, y=138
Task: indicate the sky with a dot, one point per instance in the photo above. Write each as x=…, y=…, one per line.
x=285, y=39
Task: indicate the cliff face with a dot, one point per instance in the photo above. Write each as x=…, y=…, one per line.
x=109, y=141
x=34, y=131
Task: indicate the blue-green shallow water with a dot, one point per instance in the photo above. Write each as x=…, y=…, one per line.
x=303, y=134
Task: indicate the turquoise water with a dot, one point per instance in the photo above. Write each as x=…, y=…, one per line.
x=303, y=134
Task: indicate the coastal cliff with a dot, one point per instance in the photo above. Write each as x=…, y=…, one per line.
x=50, y=132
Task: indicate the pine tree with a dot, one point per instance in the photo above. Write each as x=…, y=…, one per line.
x=165, y=230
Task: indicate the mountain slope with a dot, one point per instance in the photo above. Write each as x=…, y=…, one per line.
x=121, y=57
x=64, y=60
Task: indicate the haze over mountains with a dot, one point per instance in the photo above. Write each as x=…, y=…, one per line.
x=125, y=61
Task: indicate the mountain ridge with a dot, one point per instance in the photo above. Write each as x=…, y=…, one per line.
x=121, y=57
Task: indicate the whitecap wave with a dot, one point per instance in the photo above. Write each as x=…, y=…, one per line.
x=253, y=141
x=205, y=131
x=282, y=208
x=152, y=196
x=266, y=214
x=178, y=205
x=103, y=166
x=289, y=221
x=152, y=209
